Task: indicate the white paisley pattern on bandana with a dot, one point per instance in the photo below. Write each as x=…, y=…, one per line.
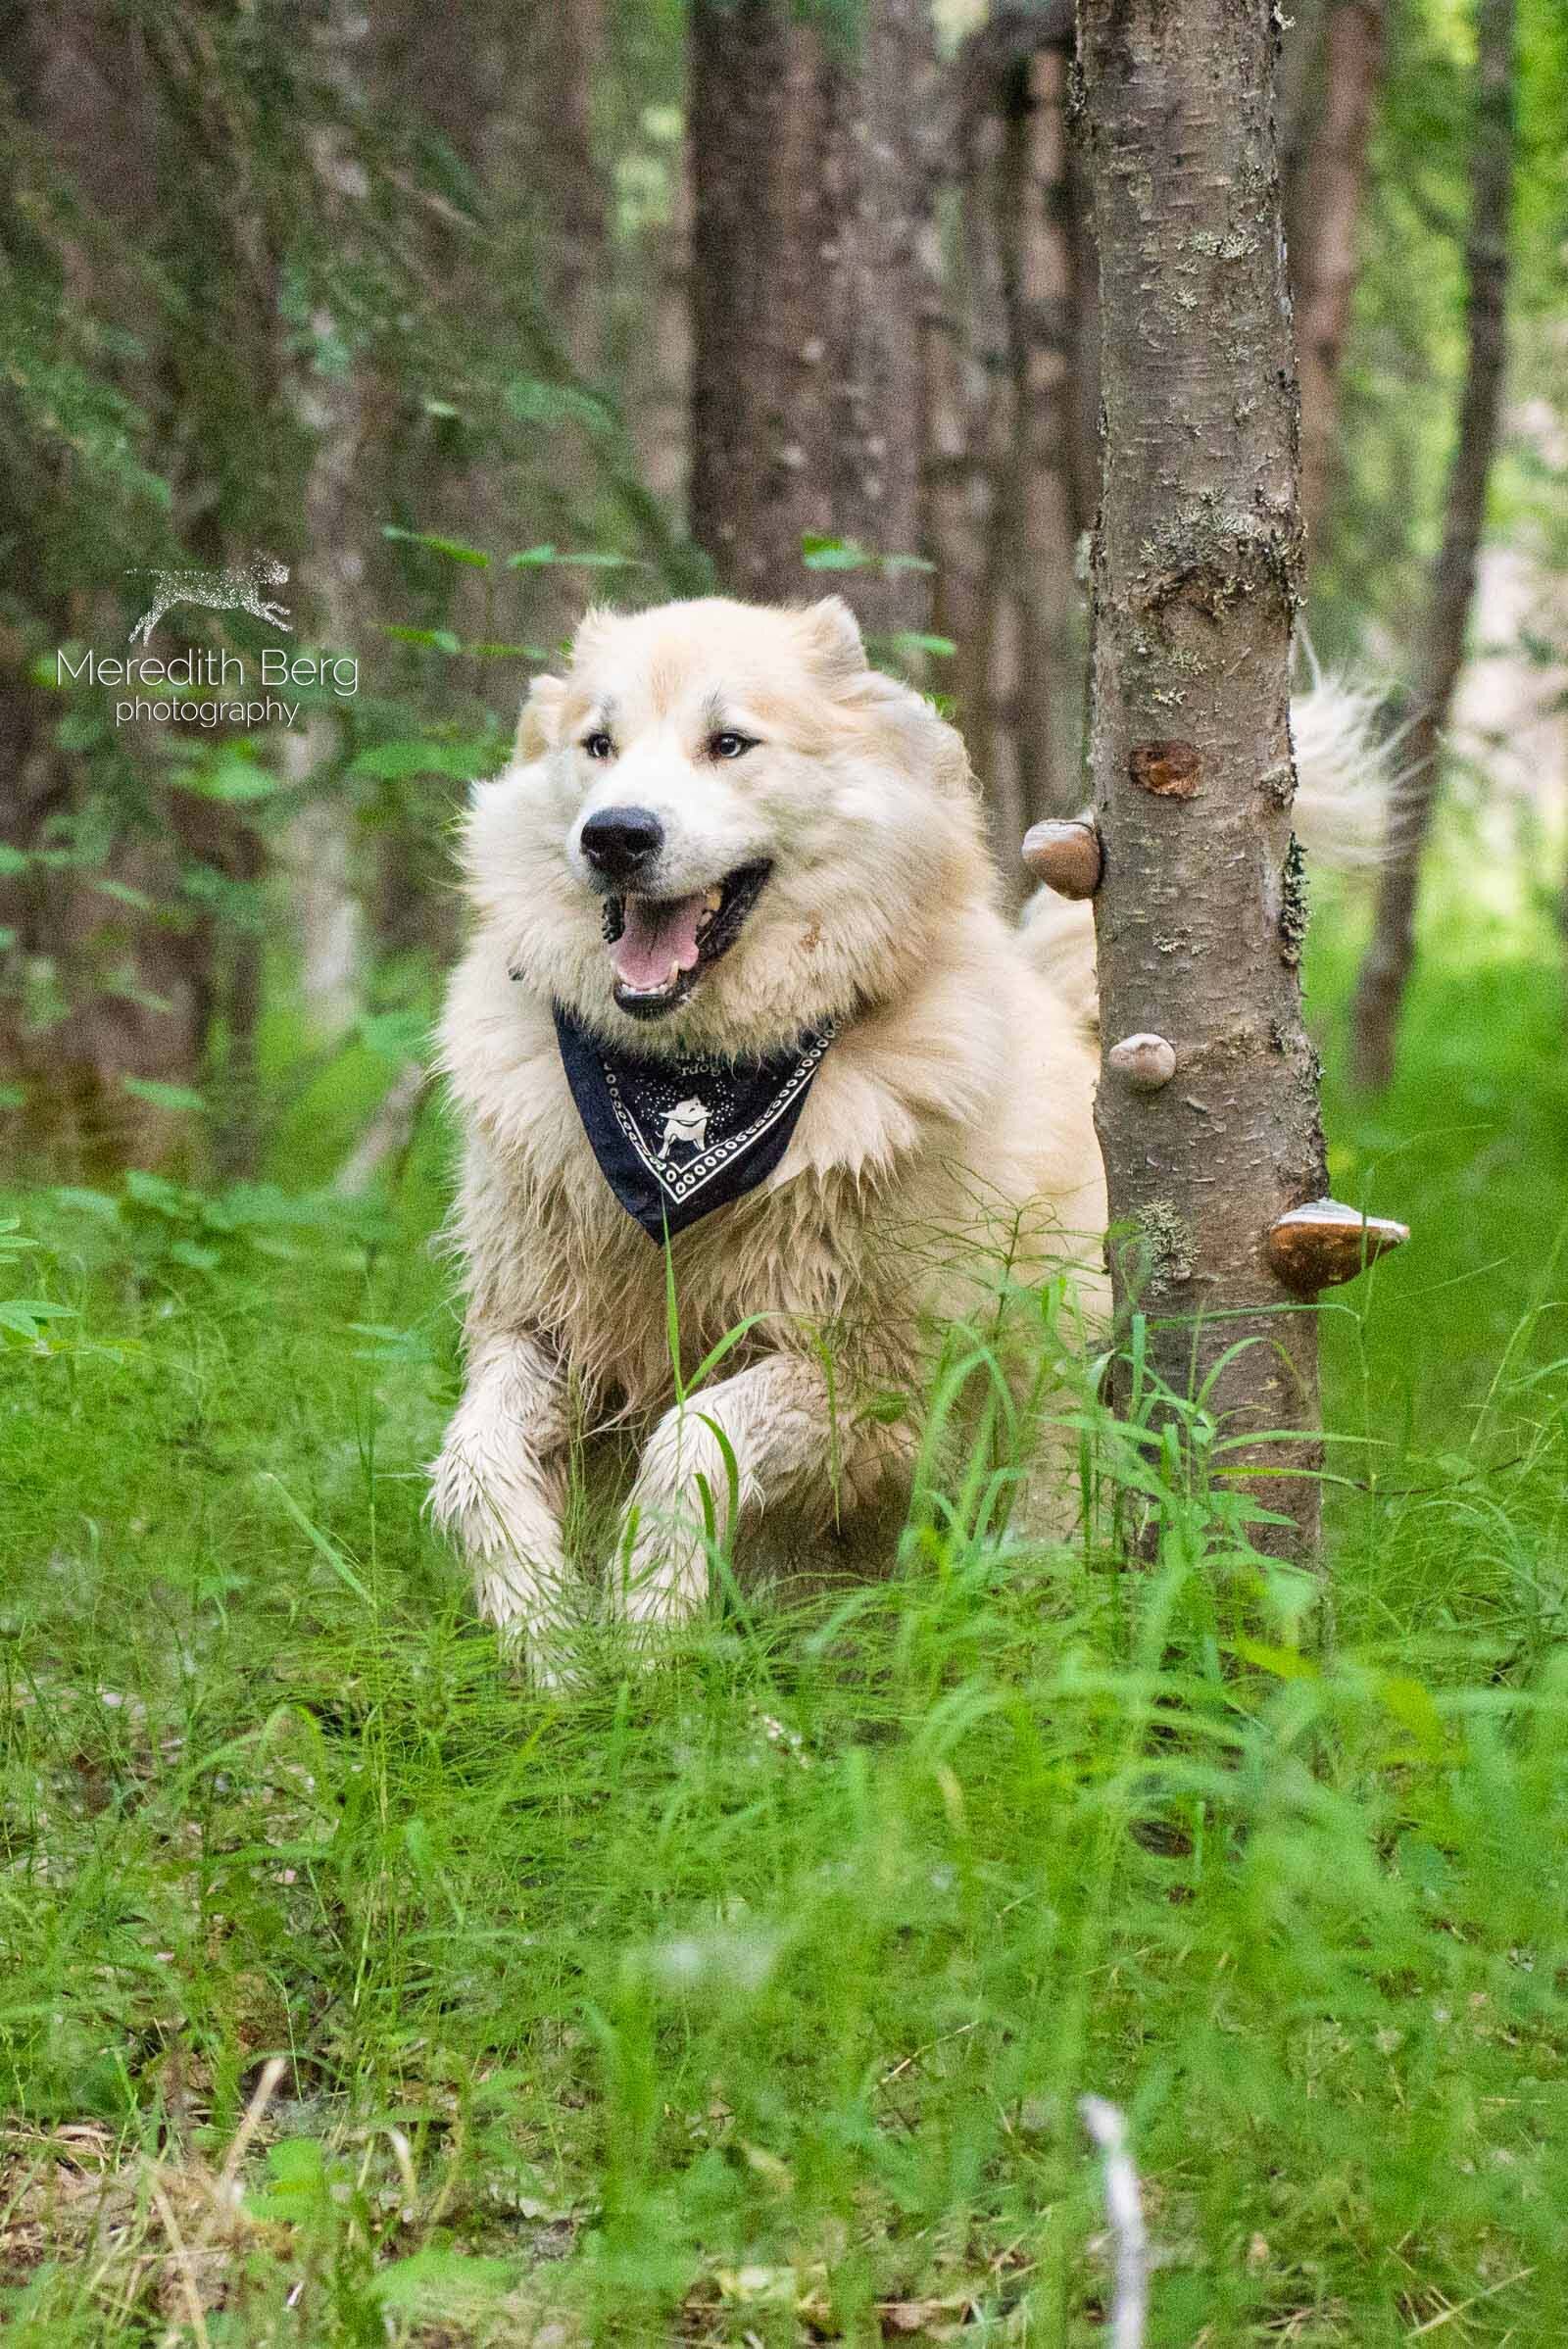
x=674, y=1139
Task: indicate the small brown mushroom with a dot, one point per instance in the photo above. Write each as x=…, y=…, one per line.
x=1323, y=1243
x=1068, y=856
x=1146, y=1062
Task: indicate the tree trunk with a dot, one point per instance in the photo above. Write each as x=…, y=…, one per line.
x=811, y=189
x=521, y=268
x=1328, y=213
x=1041, y=308
x=1009, y=491
x=513, y=90
x=1195, y=570
x=659, y=367
x=970, y=455
x=1297, y=99
x=1386, y=970
x=236, y=455
x=339, y=519
x=93, y=990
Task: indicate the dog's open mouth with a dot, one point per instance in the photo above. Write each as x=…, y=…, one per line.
x=660, y=947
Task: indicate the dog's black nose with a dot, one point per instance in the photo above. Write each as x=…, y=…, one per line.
x=623, y=841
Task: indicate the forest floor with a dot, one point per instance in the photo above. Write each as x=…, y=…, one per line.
x=751, y=1999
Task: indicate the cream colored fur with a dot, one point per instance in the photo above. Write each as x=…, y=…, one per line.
x=956, y=1103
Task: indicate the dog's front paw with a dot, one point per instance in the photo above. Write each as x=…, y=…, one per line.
x=543, y=1656
x=511, y=1538
x=660, y=1580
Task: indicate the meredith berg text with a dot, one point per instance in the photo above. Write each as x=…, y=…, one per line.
x=336, y=672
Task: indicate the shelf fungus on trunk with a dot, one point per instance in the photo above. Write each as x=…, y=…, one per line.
x=1146, y=1062
x=1068, y=856
x=1323, y=1243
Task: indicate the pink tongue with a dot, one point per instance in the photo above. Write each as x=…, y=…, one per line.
x=657, y=940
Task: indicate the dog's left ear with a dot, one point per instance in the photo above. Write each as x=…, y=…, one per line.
x=833, y=638
x=921, y=733
x=539, y=716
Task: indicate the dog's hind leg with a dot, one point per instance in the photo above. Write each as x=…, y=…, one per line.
x=765, y=1436
x=498, y=1487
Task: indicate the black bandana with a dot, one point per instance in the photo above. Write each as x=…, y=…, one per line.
x=675, y=1138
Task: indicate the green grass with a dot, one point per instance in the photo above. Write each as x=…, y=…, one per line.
x=750, y=2000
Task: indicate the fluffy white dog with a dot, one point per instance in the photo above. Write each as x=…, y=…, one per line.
x=739, y=983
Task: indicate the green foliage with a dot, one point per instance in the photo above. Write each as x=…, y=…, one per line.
x=754, y=1994
x=820, y=553
x=748, y=1999
x=153, y=1225
x=1400, y=394
x=29, y=1320
x=276, y=237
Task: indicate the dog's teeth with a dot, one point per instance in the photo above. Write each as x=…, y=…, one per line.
x=713, y=900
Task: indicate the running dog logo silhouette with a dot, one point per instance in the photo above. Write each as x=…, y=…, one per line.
x=686, y=1123
x=242, y=587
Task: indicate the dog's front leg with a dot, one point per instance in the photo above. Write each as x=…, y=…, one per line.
x=498, y=1488
x=754, y=1440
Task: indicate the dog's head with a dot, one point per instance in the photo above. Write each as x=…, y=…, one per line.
x=270, y=572
x=722, y=826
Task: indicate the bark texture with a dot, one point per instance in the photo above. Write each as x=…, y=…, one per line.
x=810, y=187
x=1195, y=571
x=1386, y=971
x=1328, y=213
x=1011, y=483
x=1040, y=316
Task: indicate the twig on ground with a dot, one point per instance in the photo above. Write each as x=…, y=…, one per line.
x=1124, y=2209
x=226, y=2188
x=186, y=2271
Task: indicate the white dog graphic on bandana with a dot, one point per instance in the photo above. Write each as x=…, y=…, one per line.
x=687, y=1122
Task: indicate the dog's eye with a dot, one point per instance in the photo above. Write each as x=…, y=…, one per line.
x=730, y=745
x=599, y=746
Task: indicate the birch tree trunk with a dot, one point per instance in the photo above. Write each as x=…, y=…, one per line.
x=811, y=189
x=1386, y=971
x=317, y=850
x=1195, y=571
x=1327, y=215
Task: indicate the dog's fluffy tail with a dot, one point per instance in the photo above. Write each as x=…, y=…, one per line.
x=1347, y=784
x=1348, y=773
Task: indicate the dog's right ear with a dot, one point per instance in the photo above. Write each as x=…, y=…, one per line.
x=538, y=722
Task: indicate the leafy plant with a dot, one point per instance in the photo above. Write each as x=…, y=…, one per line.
x=29, y=1320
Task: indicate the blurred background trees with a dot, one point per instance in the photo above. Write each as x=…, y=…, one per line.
x=472, y=315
